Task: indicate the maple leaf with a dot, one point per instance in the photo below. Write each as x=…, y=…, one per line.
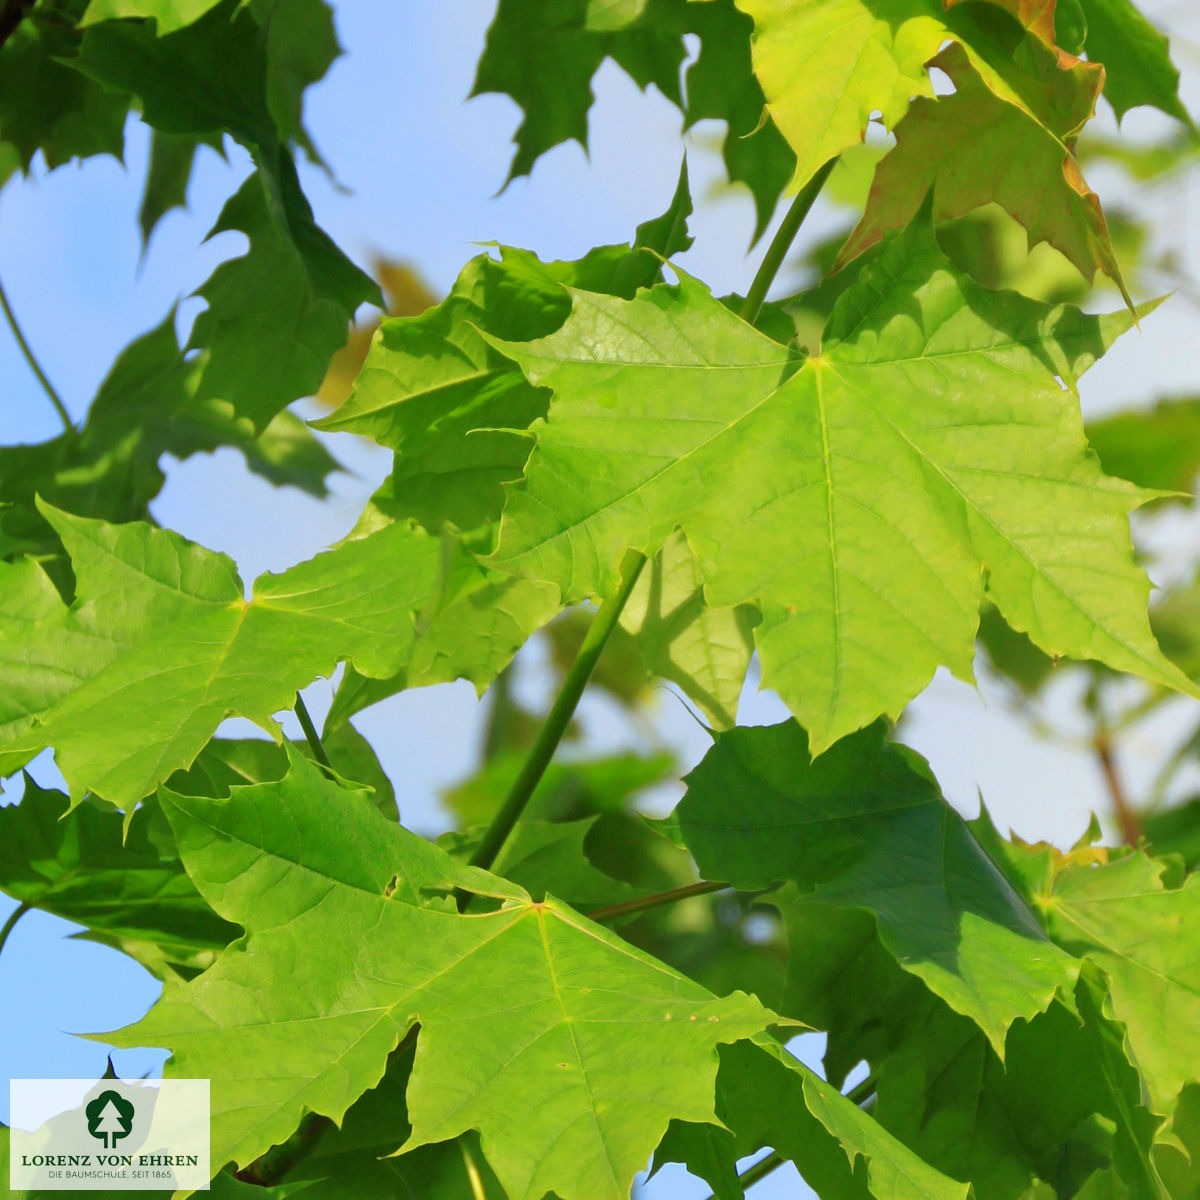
x=453, y=407
x=826, y=67
x=144, y=408
x=1064, y=1103
x=543, y=53
x=864, y=826
x=161, y=626
x=46, y=105
x=121, y=884
x=1156, y=447
x=858, y=498
x=1141, y=933
x=705, y=651
x=954, y=142
x=1116, y=34
x=765, y=1097
x=568, y=1055
x=275, y=315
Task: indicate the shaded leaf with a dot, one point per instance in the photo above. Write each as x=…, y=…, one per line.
x=1175, y=830
x=1137, y=66
x=1142, y=933
x=167, y=177
x=225, y=763
x=767, y=1098
x=144, y=408
x=721, y=85
x=47, y=106
x=124, y=888
x=543, y=53
x=1047, y=1115
x=276, y=315
x=705, y=651
x=954, y=143
x=864, y=826
x=1156, y=448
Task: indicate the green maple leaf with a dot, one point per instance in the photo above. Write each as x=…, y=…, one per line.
x=1064, y=1101
x=168, y=174
x=529, y=1008
x=232, y=67
x=455, y=409
x=721, y=86
x=161, y=626
x=1176, y=830
x=1156, y=447
x=125, y=887
x=1138, y=67
x=543, y=53
x=226, y=762
x=1127, y=920
x=765, y=1097
x=825, y=67
x=275, y=315
x=168, y=15
x=355, y=1159
x=955, y=142
x=865, y=826
x=47, y=106
x=144, y=408
x=859, y=498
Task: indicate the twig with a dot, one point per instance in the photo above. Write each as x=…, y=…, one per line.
x=1127, y=816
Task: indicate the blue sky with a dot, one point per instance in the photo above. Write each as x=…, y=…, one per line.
x=417, y=171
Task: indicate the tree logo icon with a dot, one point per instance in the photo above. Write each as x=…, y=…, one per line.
x=109, y=1118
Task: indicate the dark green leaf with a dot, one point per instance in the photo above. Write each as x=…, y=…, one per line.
x=127, y=890
x=864, y=826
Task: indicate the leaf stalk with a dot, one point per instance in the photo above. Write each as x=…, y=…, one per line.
x=781, y=243
x=558, y=718
x=613, y=912
x=13, y=917
x=311, y=735
x=34, y=365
